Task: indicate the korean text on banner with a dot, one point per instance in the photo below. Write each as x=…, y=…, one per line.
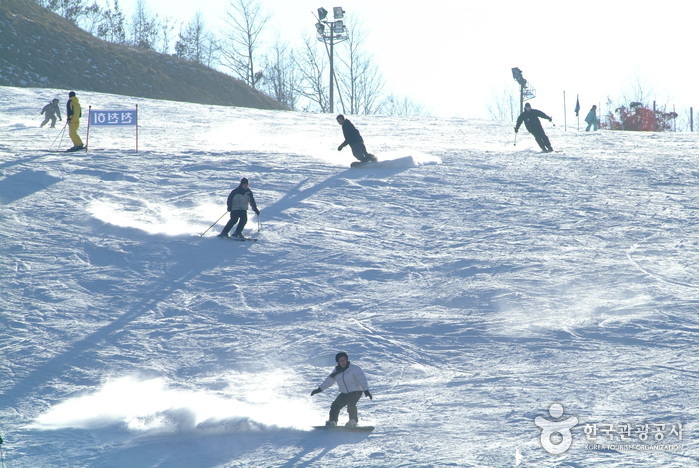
x=113, y=117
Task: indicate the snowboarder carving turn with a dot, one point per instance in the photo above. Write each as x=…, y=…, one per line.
x=354, y=140
x=531, y=117
x=352, y=382
x=237, y=203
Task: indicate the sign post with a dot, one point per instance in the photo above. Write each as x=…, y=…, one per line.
x=112, y=118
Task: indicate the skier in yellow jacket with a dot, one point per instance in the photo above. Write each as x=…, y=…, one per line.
x=73, y=113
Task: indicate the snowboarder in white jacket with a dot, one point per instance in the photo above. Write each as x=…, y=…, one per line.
x=352, y=382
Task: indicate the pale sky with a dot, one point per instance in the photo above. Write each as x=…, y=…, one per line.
x=454, y=57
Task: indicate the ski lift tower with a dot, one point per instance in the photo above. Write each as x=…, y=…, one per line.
x=331, y=32
x=526, y=92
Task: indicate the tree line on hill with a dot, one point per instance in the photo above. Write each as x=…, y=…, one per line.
x=296, y=78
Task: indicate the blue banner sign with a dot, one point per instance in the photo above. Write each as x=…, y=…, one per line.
x=113, y=117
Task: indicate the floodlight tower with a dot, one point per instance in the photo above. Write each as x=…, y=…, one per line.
x=334, y=31
x=525, y=90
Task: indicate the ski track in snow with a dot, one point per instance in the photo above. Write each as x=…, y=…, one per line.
x=475, y=282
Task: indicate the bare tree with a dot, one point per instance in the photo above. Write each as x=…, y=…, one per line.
x=91, y=18
x=75, y=11
x=312, y=69
x=280, y=75
x=195, y=43
x=504, y=106
x=144, y=27
x=397, y=106
x=240, y=53
x=167, y=28
x=359, y=79
x=637, y=91
x=112, y=26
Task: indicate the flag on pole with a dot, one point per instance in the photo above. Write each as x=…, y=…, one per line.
x=577, y=106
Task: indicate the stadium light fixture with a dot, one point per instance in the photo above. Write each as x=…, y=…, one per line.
x=525, y=89
x=330, y=33
x=517, y=75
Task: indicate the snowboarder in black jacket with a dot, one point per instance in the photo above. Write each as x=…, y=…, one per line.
x=354, y=140
x=237, y=203
x=530, y=117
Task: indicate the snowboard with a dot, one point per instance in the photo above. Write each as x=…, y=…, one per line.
x=345, y=428
x=365, y=163
x=362, y=163
x=398, y=163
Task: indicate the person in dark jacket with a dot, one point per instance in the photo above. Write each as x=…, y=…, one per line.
x=49, y=111
x=238, y=201
x=354, y=140
x=352, y=383
x=531, y=117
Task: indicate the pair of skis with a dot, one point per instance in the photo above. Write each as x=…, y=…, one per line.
x=240, y=239
x=234, y=238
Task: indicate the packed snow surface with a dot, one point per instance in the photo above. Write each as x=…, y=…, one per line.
x=479, y=284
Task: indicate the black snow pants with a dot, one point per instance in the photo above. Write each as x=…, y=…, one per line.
x=359, y=151
x=236, y=215
x=543, y=141
x=345, y=399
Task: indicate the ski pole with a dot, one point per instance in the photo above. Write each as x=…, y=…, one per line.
x=259, y=227
x=60, y=142
x=61, y=135
x=219, y=219
x=515, y=138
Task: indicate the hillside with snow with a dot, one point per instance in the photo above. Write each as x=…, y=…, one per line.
x=477, y=283
x=39, y=48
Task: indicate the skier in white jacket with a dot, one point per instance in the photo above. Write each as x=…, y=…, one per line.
x=352, y=382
